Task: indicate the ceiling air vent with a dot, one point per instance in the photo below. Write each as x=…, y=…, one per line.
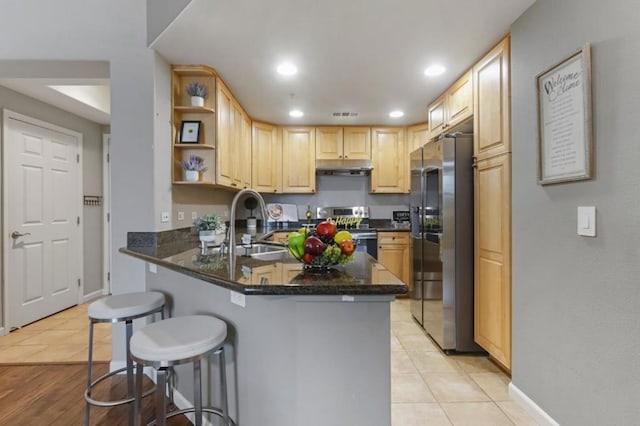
x=345, y=114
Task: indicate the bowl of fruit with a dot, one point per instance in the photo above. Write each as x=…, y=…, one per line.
x=323, y=247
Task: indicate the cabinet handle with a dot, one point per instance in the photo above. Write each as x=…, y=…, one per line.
x=339, y=156
x=233, y=184
x=393, y=238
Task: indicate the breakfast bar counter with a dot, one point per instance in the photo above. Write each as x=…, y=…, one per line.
x=305, y=348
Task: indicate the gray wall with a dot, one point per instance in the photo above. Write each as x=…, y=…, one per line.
x=344, y=191
x=91, y=174
x=576, y=300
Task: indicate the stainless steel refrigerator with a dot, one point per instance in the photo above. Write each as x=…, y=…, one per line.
x=441, y=204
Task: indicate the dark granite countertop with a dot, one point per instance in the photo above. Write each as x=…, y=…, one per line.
x=178, y=250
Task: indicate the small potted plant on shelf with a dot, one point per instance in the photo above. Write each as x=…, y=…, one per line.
x=211, y=229
x=198, y=93
x=192, y=168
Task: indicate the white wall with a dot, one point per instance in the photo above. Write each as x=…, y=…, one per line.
x=576, y=300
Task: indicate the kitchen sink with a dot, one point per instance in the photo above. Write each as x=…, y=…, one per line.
x=259, y=251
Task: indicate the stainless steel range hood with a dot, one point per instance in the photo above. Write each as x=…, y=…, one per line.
x=345, y=167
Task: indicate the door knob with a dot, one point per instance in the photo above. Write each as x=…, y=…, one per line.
x=15, y=234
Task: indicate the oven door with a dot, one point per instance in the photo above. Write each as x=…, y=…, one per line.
x=366, y=242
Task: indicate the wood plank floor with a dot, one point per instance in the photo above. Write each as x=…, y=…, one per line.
x=53, y=395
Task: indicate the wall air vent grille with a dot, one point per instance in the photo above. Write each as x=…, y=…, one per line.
x=345, y=114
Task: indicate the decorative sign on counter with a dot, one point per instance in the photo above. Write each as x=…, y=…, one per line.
x=564, y=120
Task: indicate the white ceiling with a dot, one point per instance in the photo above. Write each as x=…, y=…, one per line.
x=87, y=98
x=364, y=56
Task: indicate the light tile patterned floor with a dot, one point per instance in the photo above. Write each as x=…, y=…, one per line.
x=58, y=339
x=430, y=388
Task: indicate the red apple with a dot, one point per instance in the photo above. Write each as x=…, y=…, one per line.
x=347, y=247
x=326, y=229
x=314, y=246
x=307, y=258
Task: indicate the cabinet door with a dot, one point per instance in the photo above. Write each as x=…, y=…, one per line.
x=417, y=136
x=299, y=160
x=357, y=143
x=329, y=143
x=491, y=97
x=390, y=163
x=492, y=275
x=395, y=257
x=437, y=116
x=246, y=167
x=237, y=145
x=460, y=100
x=267, y=153
x=224, y=164
x=272, y=273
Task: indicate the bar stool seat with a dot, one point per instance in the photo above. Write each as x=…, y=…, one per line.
x=113, y=308
x=122, y=307
x=180, y=340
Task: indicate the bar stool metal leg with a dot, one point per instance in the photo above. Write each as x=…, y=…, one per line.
x=223, y=387
x=197, y=392
x=161, y=406
x=130, y=391
x=137, y=414
x=89, y=374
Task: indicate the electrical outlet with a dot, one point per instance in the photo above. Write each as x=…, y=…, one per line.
x=153, y=268
x=164, y=217
x=238, y=299
x=194, y=215
x=180, y=215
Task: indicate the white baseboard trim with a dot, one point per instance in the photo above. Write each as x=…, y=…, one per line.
x=538, y=414
x=178, y=399
x=183, y=403
x=92, y=296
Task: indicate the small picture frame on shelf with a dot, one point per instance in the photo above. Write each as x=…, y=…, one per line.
x=190, y=131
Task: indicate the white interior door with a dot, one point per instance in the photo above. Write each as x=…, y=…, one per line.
x=43, y=189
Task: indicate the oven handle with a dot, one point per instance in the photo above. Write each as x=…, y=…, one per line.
x=364, y=236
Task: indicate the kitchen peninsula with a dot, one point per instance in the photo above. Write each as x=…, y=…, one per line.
x=308, y=349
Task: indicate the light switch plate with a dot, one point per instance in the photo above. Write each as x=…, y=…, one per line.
x=153, y=268
x=164, y=217
x=587, y=221
x=238, y=299
x=180, y=215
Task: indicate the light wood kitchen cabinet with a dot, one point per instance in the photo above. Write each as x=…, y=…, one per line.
x=357, y=143
x=390, y=172
x=271, y=273
x=452, y=107
x=492, y=103
x=267, y=155
x=299, y=160
x=280, y=237
x=181, y=110
x=233, y=162
x=333, y=143
x=417, y=136
x=394, y=254
x=492, y=274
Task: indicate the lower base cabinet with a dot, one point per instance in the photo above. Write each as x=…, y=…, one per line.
x=394, y=253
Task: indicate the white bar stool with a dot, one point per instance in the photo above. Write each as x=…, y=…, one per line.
x=122, y=307
x=174, y=341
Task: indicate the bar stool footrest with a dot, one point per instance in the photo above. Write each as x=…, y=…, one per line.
x=211, y=410
x=98, y=403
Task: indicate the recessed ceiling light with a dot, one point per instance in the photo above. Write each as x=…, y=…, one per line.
x=296, y=113
x=287, y=68
x=396, y=114
x=434, y=70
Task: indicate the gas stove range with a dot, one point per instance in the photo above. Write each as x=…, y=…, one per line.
x=355, y=219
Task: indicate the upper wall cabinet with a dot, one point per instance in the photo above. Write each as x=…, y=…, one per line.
x=492, y=106
x=299, y=159
x=267, y=152
x=452, y=107
x=333, y=143
x=417, y=136
x=233, y=159
x=390, y=172
x=203, y=141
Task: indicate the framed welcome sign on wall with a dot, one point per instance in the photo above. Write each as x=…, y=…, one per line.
x=565, y=148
